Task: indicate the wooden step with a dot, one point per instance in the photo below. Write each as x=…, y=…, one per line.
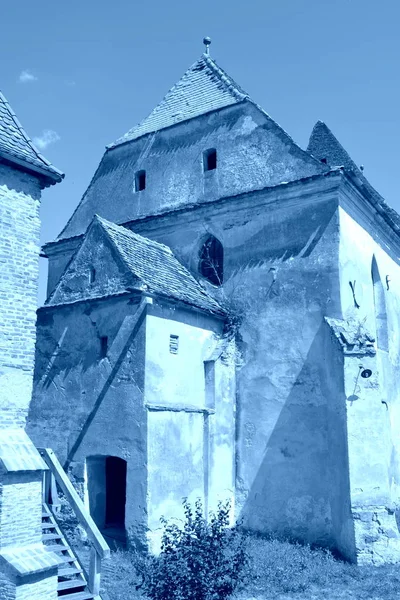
x=49, y=526
x=51, y=536
x=70, y=584
x=66, y=572
x=67, y=559
x=78, y=596
x=56, y=548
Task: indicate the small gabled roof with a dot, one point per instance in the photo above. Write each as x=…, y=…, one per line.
x=153, y=265
x=204, y=87
x=16, y=146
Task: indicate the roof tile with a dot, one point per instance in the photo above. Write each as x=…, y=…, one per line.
x=156, y=267
x=203, y=88
x=15, y=143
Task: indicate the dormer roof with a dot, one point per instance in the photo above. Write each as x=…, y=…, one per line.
x=204, y=87
x=16, y=147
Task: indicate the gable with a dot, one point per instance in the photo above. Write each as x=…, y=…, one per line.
x=96, y=252
x=253, y=152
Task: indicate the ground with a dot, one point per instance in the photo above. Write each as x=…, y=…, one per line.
x=281, y=571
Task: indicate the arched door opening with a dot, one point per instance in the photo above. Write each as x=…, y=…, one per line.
x=211, y=264
x=106, y=480
x=382, y=337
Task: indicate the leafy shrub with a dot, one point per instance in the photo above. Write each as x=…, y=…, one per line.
x=201, y=561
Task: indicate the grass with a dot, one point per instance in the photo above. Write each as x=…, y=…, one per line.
x=279, y=571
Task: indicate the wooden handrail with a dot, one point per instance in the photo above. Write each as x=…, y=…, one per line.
x=81, y=512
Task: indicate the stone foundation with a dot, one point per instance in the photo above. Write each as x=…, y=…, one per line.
x=377, y=535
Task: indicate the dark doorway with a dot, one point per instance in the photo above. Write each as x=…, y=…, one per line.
x=115, y=492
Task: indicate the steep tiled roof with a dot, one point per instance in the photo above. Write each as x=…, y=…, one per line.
x=324, y=145
x=16, y=145
x=157, y=268
x=203, y=88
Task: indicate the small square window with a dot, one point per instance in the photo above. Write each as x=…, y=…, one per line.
x=210, y=159
x=173, y=344
x=140, y=181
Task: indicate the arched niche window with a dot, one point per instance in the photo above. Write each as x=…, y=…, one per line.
x=211, y=264
x=382, y=339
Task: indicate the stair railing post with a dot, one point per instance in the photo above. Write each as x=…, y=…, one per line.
x=94, y=572
x=47, y=476
x=55, y=500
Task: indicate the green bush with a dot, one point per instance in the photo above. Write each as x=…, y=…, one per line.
x=201, y=561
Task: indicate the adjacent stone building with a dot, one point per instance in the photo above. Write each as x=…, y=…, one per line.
x=279, y=389
x=27, y=570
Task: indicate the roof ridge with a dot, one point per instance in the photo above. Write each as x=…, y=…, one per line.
x=125, y=231
x=22, y=130
x=228, y=81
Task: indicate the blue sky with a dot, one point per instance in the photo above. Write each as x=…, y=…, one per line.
x=80, y=74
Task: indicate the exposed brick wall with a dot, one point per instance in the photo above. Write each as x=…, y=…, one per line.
x=19, y=250
x=20, y=490
x=21, y=510
x=44, y=589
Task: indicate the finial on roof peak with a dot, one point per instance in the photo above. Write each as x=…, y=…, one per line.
x=207, y=42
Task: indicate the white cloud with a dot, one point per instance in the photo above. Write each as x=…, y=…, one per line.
x=26, y=77
x=48, y=137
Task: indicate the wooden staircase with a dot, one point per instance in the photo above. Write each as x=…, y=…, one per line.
x=72, y=584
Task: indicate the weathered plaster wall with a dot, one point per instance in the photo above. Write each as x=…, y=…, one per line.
x=281, y=270
x=191, y=426
x=133, y=404
x=177, y=378
x=374, y=417
x=253, y=152
x=84, y=405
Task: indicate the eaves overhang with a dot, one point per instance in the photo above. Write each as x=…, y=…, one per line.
x=51, y=177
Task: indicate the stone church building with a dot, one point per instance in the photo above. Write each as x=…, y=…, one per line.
x=223, y=321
